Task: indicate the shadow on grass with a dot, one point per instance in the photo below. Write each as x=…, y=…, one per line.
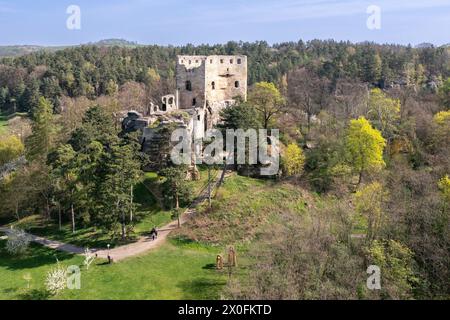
x=35, y=294
x=86, y=237
x=36, y=256
x=209, y=266
x=202, y=288
x=9, y=290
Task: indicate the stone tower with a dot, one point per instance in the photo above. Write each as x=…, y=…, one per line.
x=210, y=83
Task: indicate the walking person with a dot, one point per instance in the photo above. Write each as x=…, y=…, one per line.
x=154, y=233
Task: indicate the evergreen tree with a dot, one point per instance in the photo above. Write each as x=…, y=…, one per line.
x=42, y=138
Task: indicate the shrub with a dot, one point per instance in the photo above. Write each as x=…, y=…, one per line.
x=18, y=242
x=56, y=280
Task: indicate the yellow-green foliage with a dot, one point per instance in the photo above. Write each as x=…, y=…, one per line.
x=10, y=148
x=444, y=186
x=442, y=118
x=364, y=146
x=153, y=75
x=265, y=93
x=383, y=111
x=442, y=132
x=369, y=203
x=444, y=93
x=294, y=160
x=267, y=100
x=396, y=263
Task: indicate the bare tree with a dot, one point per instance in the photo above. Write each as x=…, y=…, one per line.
x=307, y=93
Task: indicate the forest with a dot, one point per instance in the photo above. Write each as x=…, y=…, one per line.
x=95, y=71
x=365, y=132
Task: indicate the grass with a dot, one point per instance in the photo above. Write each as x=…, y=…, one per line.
x=174, y=271
x=148, y=215
x=199, y=185
x=83, y=237
x=241, y=208
x=179, y=269
x=4, y=119
x=3, y=124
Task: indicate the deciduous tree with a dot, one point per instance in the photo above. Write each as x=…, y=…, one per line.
x=293, y=160
x=364, y=147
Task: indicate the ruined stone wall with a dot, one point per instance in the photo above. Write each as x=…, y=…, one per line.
x=226, y=78
x=192, y=69
x=212, y=79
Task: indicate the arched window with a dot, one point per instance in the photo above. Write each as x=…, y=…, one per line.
x=236, y=84
x=194, y=102
x=188, y=86
x=239, y=61
x=213, y=85
x=231, y=61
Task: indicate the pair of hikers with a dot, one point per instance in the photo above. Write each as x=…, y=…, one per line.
x=154, y=233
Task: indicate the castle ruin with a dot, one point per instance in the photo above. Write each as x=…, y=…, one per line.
x=205, y=85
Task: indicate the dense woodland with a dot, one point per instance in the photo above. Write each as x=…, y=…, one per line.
x=93, y=71
x=365, y=127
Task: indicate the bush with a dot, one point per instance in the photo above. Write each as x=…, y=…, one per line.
x=56, y=280
x=18, y=242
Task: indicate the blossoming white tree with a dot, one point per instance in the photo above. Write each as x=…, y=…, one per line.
x=56, y=280
x=18, y=241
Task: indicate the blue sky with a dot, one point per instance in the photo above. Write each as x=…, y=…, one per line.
x=43, y=22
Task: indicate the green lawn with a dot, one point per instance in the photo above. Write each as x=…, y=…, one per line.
x=4, y=120
x=148, y=215
x=3, y=124
x=174, y=271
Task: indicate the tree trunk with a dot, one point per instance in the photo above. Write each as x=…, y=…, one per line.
x=209, y=186
x=73, y=217
x=360, y=177
x=122, y=220
x=308, y=115
x=47, y=209
x=59, y=217
x=123, y=228
x=131, y=206
x=17, y=211
x=177, y=207
x=222, y=176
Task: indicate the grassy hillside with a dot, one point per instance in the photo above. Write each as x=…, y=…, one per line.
x=242, y=207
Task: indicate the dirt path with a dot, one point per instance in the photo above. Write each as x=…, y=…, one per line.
x=144, y=243
x=50, y=243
